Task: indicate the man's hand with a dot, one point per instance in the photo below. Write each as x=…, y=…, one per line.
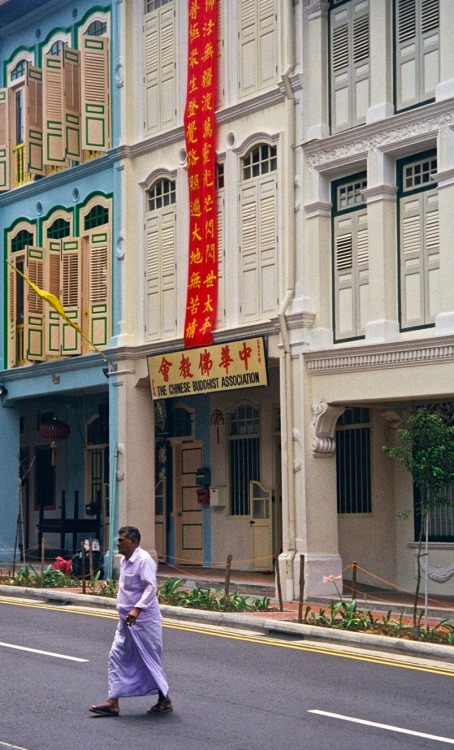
x=132, y=616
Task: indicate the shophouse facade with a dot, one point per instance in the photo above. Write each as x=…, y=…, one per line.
x=377, y=252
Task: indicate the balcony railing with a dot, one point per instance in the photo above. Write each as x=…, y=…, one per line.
x=21, y=176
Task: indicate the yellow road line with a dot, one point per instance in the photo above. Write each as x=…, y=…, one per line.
x=447, y=671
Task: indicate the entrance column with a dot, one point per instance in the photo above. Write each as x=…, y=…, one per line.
x=9, y=490
x=132, y=451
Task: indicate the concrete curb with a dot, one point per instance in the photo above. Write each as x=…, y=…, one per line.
x=255, y=622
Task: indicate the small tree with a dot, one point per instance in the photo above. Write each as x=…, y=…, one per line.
x=426, y=449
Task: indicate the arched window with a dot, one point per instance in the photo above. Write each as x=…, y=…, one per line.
x=96, y=217
x=22, y=240
x=244, y=456
x=57, y=47
x=260, y=160
x=19, y=70
x=60, y=228
x=163, y=193
x=96, y=28
x=151, y=5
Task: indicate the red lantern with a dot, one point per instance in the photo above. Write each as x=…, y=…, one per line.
x=54, y=430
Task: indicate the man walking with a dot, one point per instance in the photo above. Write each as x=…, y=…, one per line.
x=135, y=657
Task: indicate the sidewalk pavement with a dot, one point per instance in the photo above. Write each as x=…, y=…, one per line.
x=276, y=623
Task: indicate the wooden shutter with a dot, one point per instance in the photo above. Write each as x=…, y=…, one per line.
x=432, y=280
x=258, y=277
x=4, y=141
x=53, y=114
x=12, y=328
x=33, y=114
x=249, y=271
x=350, y=50
x=159, y=69
x=161, y=275
x=70, y=283
x=417, y=53
x=220, y=310
x=257, y=45
x=412, y=260
x=351, y=274
x=95, y=76
x=99, y=292
x=54, y=322
x=34, y=332
x=72, y=104
x=267, y=33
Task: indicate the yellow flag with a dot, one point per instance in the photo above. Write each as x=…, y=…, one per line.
x=50, y=298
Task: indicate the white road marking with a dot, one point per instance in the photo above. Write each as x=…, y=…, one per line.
x=45, y=653
x=389, y=727
x=11, y=747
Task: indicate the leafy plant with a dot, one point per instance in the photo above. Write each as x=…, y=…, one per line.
x=108, y=588
x=50, y=578
x=170, y=592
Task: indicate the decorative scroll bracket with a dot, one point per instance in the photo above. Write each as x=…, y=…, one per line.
x=324, y=420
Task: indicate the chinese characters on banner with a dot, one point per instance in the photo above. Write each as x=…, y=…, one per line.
x=199, y=126
x=222, y=367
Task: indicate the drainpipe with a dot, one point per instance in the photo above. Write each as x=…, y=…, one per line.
x=288, y=554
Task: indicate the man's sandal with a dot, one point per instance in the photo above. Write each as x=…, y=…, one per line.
x=161, y=707
x=105, y=710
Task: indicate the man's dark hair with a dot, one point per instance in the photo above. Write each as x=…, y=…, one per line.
x=130, y=532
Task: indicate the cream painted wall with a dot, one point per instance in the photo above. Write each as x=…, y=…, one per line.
x=370, y=539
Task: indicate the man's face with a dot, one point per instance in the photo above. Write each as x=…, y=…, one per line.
x=125, y=546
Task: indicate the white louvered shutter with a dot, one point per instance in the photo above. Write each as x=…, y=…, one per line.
x=257, y=45
x=34, y=332
x=70, y=283
x=220, y=212
x=258, y=245
x=417, y=53
x=432, y=256
x=53, y=111
x=95, y=93
x=350, y=73
x=161, y=275
x=351, y=274
x=160, y=56
x=4, y=141
x=412, y=261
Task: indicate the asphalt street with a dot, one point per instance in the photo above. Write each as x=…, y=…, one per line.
x=233, y=690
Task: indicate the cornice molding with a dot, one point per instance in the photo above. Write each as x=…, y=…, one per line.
x=398, y=131
x=382, y=358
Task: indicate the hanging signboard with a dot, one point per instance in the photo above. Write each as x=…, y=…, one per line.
x=222, y=367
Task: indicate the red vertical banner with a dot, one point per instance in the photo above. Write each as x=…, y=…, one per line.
x=199, y=127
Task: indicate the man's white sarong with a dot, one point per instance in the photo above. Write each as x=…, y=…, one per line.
x=135, y=657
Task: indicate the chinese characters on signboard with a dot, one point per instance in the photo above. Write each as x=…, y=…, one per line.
x=199, y=126
x=238, y=364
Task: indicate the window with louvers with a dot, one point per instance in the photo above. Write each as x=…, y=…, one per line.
x=419, y=252
x=350, y=259
x=350, y=68
x=417, y=62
